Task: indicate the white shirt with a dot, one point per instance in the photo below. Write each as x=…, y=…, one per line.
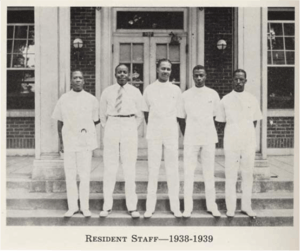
x=162, y=101
x=78, y=111
x=132, y=102
x=200, y=105
x=239, y=110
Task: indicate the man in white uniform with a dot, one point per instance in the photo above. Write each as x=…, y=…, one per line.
x=199, y=107
x=121, y=115
x=77, y=114
x=162, y=101
x=240, y=111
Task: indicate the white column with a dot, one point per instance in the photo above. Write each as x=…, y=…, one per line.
x=104, y=67
x=49, y=77
x=251, y=29
x=98, y=74
x=52, y=80
x=64, y=49
x=201, y=36
x=192, y=41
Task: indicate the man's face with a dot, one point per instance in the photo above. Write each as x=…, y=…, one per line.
x=77, y=81
x=122, y=75
x=199, y=77
x=239, y=82
x=164, y=71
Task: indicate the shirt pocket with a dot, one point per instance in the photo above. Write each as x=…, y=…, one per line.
x=248, y=113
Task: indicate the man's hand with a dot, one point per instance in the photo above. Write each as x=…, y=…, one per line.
x=60, y=125
x=61, y=146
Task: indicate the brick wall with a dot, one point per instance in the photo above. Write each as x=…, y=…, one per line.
x=280, y=132
x=219, y=64
x=20, y=132
x=83, y=26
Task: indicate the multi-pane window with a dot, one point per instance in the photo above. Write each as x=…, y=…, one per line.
x=20, y=58
x=158, y=20
x=172, y=52
x=281, y=57
x=132, y=55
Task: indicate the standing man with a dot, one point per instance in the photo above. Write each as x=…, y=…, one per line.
x=240, y=111
x=120, y=113
x=162, y=101
x=200, y=104
x=77, y=115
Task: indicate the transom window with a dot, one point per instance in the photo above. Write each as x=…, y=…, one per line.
x=156, y=20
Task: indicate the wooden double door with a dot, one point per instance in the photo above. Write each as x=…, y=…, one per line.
x=141, y=53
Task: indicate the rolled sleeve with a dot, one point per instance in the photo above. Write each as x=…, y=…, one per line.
x=139, y=107
x=257, y=114
x=216, y=104
x=145, y=103
x=95, y=110
x=220, y=114
x=181, y=113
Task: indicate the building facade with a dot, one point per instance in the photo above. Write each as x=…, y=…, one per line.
x=44, y=44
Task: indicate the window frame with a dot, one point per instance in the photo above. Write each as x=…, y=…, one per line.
x=19, y=112
x=280, y=112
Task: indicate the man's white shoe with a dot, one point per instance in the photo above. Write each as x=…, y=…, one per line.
x=177, y=214
x=70, y=213
x=86, y=213
x=147, y=215
x=249, y=212
x=230, y=214
x=215, y=213
x=134, y=214
x=104, y=213
x=186, y=214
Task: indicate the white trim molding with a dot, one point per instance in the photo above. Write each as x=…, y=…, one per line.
x=280, y=151
x=20, y=113
x=281, y=113
x=20, y=152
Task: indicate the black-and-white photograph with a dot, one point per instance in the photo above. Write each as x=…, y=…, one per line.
x=152, y=117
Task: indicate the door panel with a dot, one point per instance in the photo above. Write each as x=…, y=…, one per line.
x=160, y=48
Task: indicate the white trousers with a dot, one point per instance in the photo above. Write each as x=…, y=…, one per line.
x=78, y=162
x=207, y=156
x=234, y=160
x=171, y=165
x=120, y=139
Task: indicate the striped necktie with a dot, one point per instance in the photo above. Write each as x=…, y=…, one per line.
x=118, y=105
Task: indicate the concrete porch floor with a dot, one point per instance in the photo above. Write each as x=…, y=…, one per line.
x=281, y=167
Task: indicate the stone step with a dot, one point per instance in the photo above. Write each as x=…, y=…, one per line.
x=59, y=186
x=58, y=201
x=121, y=218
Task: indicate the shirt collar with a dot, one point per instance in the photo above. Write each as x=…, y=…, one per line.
x=76, y=93
x=163, y=83
x=201, y=89
x=238, y=93
x=124, y=86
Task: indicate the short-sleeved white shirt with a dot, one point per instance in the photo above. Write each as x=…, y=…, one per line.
x=162, y=101
x=132, y=102
x=78, y=111
x=239, y=111
x=199, y=106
